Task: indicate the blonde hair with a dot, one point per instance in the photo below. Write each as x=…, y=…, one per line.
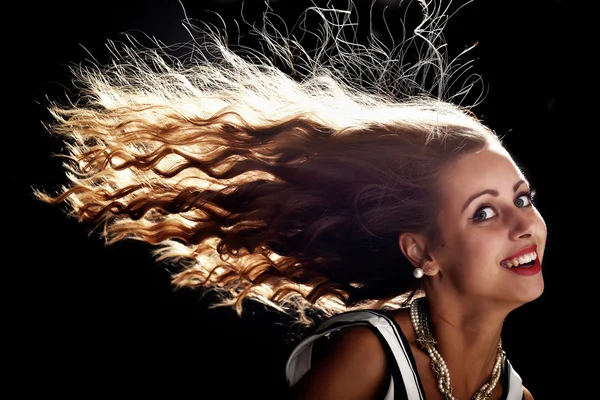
x=283, y=175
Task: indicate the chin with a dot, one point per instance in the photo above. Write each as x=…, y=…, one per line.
x=532, y=290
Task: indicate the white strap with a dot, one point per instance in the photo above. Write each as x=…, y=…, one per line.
x=299, y=361
x=515, y=384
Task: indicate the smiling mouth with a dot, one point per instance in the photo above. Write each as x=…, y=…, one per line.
x=523, y=261
x=526, y=265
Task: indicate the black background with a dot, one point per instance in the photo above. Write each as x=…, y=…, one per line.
x=92, y=320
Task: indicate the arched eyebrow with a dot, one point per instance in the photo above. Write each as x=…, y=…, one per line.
x=492, y=192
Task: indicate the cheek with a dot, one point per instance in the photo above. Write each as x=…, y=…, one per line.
x=465, y=245
x=541, y=232
x=466, y=248
x=541, y=223
x=469, y=253
x=479, y=248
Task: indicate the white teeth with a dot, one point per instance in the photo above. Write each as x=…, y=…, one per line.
x=524, y=259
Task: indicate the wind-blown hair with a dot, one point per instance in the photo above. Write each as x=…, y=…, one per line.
x=288, y=183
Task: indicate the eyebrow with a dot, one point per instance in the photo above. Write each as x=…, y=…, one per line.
x=492, y=192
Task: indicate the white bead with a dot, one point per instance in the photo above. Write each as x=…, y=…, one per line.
x=418, y=273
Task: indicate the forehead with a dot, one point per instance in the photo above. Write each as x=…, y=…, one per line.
x=489, y=168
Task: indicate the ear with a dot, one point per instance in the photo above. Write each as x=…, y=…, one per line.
x=415, y=249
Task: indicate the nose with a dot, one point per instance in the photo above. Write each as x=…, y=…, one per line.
x=522, y=224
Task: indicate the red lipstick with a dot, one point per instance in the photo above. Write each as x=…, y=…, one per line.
x=526, y=250
x=526, y=271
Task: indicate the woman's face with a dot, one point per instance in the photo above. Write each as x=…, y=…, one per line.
x=491, y=237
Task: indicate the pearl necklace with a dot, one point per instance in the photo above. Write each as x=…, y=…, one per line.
x=418, y=317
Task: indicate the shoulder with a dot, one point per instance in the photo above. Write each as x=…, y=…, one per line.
x=349, y=365
x=527, y=394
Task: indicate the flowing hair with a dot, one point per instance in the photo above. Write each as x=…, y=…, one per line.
x=278, y=173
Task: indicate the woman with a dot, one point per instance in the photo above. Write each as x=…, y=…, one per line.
x=344, y=186
x=478, y=257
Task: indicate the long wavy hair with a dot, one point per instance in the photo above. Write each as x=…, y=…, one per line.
x=282, y=175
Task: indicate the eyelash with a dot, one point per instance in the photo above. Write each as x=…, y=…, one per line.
x=530, y=196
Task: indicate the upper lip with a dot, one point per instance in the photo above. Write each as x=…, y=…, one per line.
x=521, y=252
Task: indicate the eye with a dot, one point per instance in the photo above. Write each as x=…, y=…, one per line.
x=483, y=214
x=524, y=200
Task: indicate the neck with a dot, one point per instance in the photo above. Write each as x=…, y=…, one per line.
x=470, y=338
x=468, y=343
x=473, y=329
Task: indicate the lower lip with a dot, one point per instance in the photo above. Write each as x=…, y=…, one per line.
x=533, y=270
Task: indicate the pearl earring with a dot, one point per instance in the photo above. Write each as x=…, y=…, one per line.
x=418, y=273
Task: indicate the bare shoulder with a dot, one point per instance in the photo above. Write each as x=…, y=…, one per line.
x=527, y=394
x=352, y=366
